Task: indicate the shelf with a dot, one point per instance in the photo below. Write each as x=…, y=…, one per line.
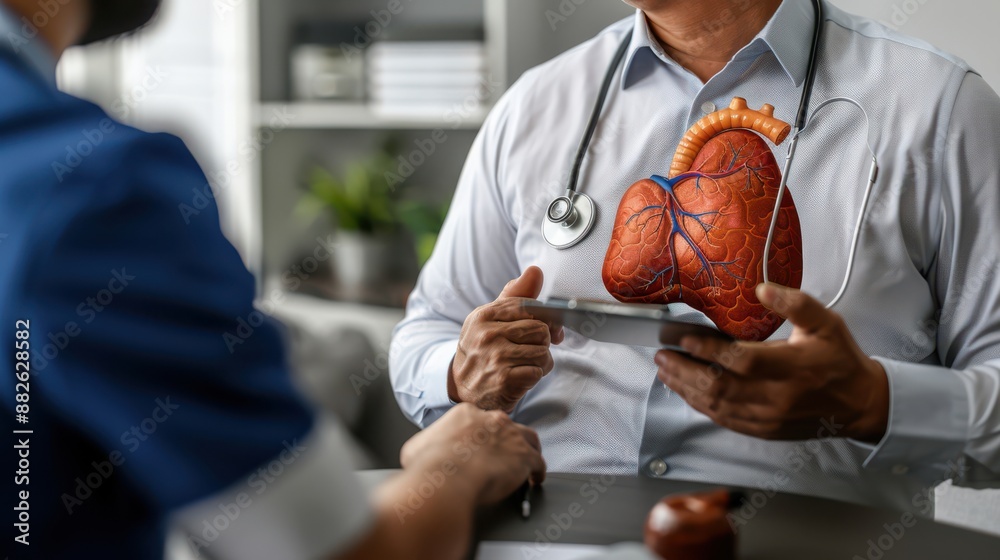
x=347, y=115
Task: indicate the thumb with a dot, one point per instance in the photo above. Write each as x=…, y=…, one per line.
x=795, y=305
x=529, y=285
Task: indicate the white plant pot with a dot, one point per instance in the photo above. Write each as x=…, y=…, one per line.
x=362, y=263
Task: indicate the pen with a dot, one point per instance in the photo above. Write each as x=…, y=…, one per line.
x=526, y=502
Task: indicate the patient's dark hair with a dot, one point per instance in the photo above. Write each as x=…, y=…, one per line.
x=114, y=17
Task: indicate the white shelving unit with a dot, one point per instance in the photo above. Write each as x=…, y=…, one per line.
x=360, y=116
x=517, y=36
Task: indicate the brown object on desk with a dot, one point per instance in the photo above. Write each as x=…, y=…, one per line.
x=691, y=527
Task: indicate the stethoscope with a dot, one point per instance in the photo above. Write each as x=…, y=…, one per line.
x=570, y=217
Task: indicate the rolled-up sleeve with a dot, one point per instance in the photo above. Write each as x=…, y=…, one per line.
x=945, y=420
x=473, y=259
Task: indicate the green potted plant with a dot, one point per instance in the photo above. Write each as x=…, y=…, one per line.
x=361, y=205
x=373, y=221
x=424, y=222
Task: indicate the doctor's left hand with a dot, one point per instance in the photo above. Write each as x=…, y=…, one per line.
x=784, y=390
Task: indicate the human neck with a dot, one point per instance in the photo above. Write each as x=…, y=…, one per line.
x=61, y=30
x=703, y=36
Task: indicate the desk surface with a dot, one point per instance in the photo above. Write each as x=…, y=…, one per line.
x=781, y=526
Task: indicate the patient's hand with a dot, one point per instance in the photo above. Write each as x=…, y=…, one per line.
x=486, y=450
x=503, y=351
x=785, y=390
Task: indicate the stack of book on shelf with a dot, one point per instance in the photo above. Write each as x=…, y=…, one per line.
x=427, y=77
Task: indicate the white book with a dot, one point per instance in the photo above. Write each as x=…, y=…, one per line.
x=426, y=64
x=427, y=48
x=425, y=94
x=428, y=78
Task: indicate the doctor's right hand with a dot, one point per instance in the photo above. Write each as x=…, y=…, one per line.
x=503, y=351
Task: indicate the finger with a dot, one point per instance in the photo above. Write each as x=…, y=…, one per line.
x=521, y=379
x=531, y=436
x=715, y=384
x=512, y=354
x=714, y=350
x=527, y=331
x=536, y=464
x=773, y=360
x=750, y=418
x=512, y=309
x=676, y=367
x=528, y=285
x=770, y=430
x=796, y=306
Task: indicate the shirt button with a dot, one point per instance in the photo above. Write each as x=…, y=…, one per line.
x=708, y=107
x=657, y=467
x=900, y=470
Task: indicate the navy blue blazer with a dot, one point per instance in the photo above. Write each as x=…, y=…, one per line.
x=144, y=392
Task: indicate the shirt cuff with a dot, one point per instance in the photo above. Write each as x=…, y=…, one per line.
x=928, y=423
x=305, y=503
x=425, y=399
x=435, y=391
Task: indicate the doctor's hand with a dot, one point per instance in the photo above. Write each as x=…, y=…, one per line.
x=503, y=351
x=784, y=390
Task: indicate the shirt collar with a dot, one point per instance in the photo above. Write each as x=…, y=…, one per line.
x=30, y=49
x=788, y=35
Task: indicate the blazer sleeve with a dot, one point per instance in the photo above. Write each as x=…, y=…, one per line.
x=145, y=339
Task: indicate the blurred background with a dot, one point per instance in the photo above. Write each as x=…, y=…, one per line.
x=333, y=134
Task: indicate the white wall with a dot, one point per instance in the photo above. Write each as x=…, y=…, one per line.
x=967, y=28
x=186, y=74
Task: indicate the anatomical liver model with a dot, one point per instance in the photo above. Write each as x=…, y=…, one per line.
x=691, y=527
x=697, y=236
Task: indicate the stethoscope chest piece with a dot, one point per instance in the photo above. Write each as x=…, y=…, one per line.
x=568, y=219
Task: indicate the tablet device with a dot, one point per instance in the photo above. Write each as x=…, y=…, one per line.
x=631, y=324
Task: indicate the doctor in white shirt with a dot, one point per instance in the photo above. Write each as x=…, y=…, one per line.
x=894, y=389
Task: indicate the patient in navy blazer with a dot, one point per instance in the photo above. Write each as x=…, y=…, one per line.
x=127, y=409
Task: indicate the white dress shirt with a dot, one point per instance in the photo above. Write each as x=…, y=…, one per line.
x=924, y=297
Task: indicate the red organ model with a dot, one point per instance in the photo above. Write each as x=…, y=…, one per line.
x=698, y=235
